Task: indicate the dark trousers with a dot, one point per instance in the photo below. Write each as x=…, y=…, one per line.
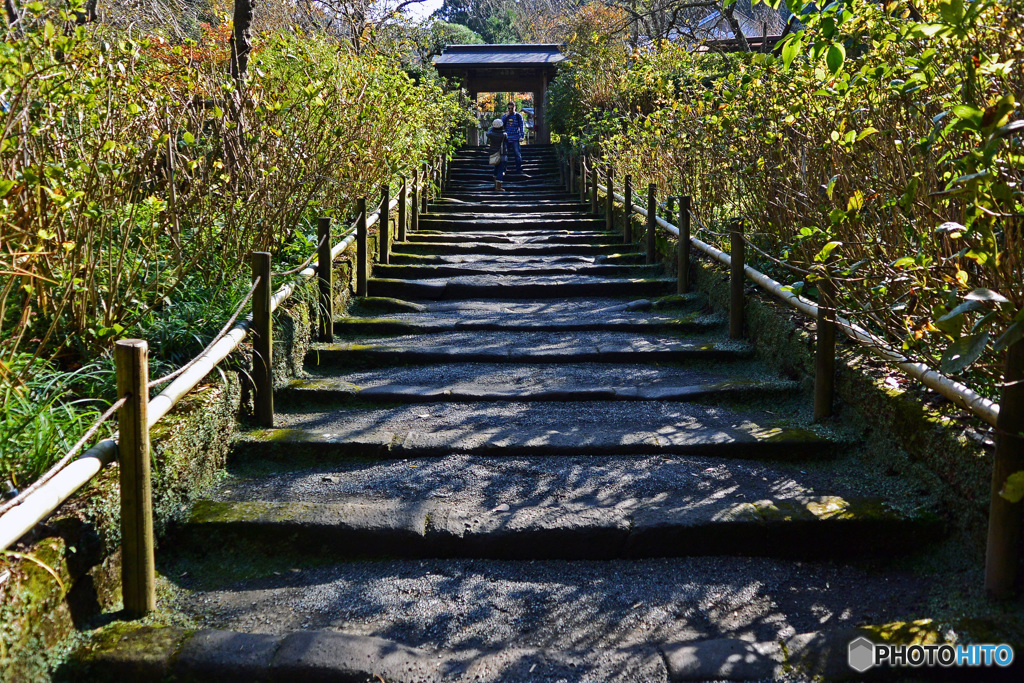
x=514, y=149
x=499, y=170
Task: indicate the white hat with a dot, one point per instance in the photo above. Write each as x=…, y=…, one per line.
x=497, y=124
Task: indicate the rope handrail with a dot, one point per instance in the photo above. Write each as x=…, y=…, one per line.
x=957, y=392
x=20, y=514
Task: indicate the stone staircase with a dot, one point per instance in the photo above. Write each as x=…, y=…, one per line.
x=528, y=460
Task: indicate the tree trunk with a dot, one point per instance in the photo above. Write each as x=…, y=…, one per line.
x=12, y=11
x=87, y=14
x=241, y=38
x=730, y=18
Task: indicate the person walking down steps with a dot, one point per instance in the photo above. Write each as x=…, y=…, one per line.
x=497, y=148
x=515, y=130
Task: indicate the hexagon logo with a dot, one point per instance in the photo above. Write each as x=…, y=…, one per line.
x=861, y=656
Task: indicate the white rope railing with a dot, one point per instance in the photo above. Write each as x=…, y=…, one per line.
x=957, y=392
x=42, y=501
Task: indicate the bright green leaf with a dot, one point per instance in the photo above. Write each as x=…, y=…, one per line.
x=870, y=130
x=834, y=58
x=1013, y=487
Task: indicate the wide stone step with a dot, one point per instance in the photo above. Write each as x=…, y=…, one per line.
x=510, y=181
x=517, y=248
x=137, y=652
x=670, y=308
x=528, y=347
x=518, y=286
x=425, y=271
x=487, y=196
x=510, y=224
x=529, y=178
x=498, y=262
x=436, y=323
x=485, y=216
x=478, y=382
x=810, y=527
x=514, y=190
x=519, y=237
x=543, y=429
x=538, y=206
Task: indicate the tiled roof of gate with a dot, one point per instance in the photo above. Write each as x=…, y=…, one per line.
x=500, y=55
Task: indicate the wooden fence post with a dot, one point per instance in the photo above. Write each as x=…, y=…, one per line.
x=737, y=279
x=652, y=225
x=385, y=223
x=683, y=247
x=627, y=213
x=414, y=218
x=583, y=180
x=138, y=574
x=325, y=279
x=425, y=192
x=609, y=202
x=362, y=249
x=263, y=341
x=593, y=189
x=1002, y=556
x=825, y=349
x=403, y=198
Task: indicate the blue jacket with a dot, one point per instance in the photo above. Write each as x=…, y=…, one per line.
x=514, y=126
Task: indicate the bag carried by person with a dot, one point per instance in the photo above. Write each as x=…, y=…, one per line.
x=496, y=158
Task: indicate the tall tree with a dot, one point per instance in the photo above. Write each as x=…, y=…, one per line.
x=241, y=38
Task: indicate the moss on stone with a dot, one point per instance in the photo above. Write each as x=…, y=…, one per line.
x=918, y=632
x=892, y=422
x=80, y=542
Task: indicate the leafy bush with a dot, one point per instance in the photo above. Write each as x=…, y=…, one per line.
x=137, y=176
x=886, y=147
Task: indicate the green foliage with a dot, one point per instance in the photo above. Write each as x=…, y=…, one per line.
x=887, y=148
x=138, y=176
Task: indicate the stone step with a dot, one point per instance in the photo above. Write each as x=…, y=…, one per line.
x=813, y=527
x=510, y=224
x=529, y=178
x=519, y=237
x=485, y=216
x=518, y=248
x=505, y=260
x=542, y=429
x=488, y=197
x=149, y=653
x=511, y=312
x=425, y=271
x=517, y=191
x=528, y=347
x=539, y=206
x=518, y=286
x=487, y=382
x=543, y=181
x=432, y=324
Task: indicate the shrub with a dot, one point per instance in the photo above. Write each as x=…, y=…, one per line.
x=887, y=147
x=136, y=174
